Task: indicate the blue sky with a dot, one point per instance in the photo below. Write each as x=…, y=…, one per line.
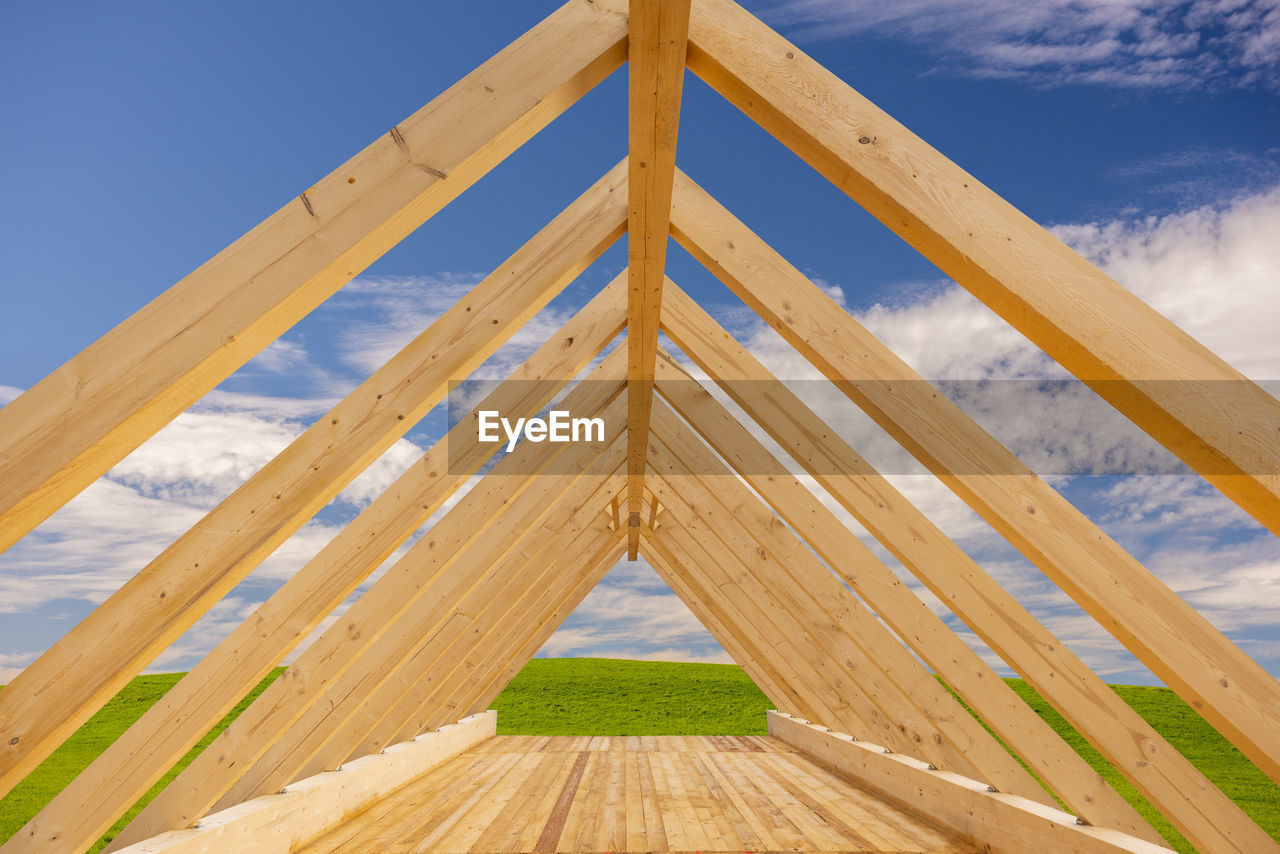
x=141, y=138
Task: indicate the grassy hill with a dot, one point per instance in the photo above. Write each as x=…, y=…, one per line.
x=586, y=696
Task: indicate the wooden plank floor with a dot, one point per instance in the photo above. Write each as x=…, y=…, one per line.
x=634, y=793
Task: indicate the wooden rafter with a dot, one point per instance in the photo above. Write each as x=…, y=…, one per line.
x=500, y=673
x=354, y=705
x=896, y=683
x=1181, y=647
x=64, y=686
x=80, y=813
x=498, y=634
x=70, y=428
x=407, y=585
x=1161, y=774
x=657, y=39
x=670, y=568
x=1166, y=382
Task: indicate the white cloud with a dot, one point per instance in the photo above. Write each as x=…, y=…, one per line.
x=1122, y=43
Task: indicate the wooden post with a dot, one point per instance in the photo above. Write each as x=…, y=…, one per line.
x=1181, y=647
x=658, y=37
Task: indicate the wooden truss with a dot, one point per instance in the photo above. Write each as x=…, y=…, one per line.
x=823, y=627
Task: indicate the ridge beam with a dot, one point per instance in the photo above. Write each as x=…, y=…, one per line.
x=658, y=42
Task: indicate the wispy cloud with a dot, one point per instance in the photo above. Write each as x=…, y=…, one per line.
x=1121, y=43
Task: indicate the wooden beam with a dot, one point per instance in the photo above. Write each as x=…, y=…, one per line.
x=421, y=581
x=64, y=686
x=1164, y=777
x=1173, y=387
x=280, y=823
x=480, y=699
x=785, y=417
x=1181, y=647
x=669, y=567
x=900, y=687
x=993, y=821
x=403, y=664
x=459, y=662
x=66, y=431
x=80, y=813
x=658, y=38
x=767, y=633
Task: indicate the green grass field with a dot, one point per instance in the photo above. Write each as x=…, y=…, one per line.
x=586, y=696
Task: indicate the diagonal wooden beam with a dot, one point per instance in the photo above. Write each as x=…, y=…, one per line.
x=669, y=565
x=1128, y=742
x=80, y=813
x=66, y=431
x=47, y=701
x=355, y=703
x=895, y=681
x=1056, y=762
x=1179, y=645
x=488, y=628
x=657, y=38
x=768, y=633
x=419, y=581
x=1173, y=387
x=495, y=679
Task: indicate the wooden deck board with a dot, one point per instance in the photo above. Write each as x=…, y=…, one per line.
x=646, y=793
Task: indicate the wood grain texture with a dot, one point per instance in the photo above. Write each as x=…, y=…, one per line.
x=1181, y=647
x=1173, y=387
x=903, y=690
x=949, y=572
x=419, y=580
x=66, y=431
x=65, y=685
x=80, y=813
x=996, y=821
x=658, y=39
x=283, y=822
x=660, y=793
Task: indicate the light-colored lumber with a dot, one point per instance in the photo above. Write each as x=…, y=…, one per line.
x=765, y=399
x=419, y=580
x=80, y=813
x=657, y=41
x=405, y=665
x=994, y=821
x=71, y=680
x=668, y=567
x=894, y=680
x=492, y=687
x=1234, y=694
x=1171, y=783
x=280, y=823
x=1173, y=387
x=70, y=428
x=330, y=728
x=739, y=601
x=474, y=665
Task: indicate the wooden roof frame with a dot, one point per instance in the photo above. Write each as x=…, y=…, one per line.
x=787, y=589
